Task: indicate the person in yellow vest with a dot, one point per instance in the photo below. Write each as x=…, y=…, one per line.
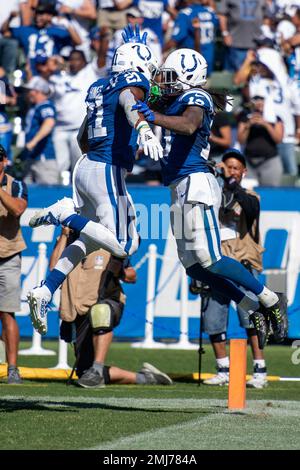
x=92, y=300
x=239, y=229
x=13, y=202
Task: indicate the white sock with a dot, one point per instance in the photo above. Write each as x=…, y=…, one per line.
x=223, y=362
x=267, y=297
x=261, y=363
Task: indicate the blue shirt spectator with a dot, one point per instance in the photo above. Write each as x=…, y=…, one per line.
x=152, y=11
x=44, y=36
x=197, y=16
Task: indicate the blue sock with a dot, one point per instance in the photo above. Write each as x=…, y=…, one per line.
x=221, y=285
x=54, y=280
x=75, y=222
x=236, y=272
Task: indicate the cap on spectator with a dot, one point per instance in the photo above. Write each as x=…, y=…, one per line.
x=264, y=41
x=134, y=12
x=234, y=153
x=94, y=33
x=38, y=84
x=41, y=57
x=45, y=8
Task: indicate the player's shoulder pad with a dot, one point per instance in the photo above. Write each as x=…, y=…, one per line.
x=129, y=78
x=197, y=97
x=47, y=109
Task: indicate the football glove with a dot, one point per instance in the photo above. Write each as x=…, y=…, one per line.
x=150, y=143
x=143, y=108
x=134, y=35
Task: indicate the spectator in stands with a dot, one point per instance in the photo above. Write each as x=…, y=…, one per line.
x=220, y=136
x=134, y=17
x=68, y=94
x=239, y=230
x=40, y=122
x=47, y=66
x=152, y=12
x=291, y=46
x=195, y=28
x=43, y=35
x=260, y=130
x=240, y=23
x=112, y=13
x=17, y=11
x=13, y=202
x=92, y=299
x=267, y=69
x=8, y=97
x=82, y=15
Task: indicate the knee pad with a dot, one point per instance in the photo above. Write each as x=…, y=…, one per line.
x=105, y=315
x=106, y=375
x=218, y=338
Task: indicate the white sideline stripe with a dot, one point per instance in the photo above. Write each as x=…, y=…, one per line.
x=271, y=407
x=155, y=403
x=261, y=409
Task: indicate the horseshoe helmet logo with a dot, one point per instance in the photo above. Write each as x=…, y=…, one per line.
x=191, y=69
x=140, y=50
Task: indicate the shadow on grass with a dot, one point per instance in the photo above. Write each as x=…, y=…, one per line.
x=12, y=405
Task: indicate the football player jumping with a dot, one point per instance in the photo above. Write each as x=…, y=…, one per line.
x=108, y=137
x=186, y=119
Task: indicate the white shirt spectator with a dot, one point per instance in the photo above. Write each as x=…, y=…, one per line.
x=5, y=10
x=81, y=25
x=69, y=93
x=286, y=101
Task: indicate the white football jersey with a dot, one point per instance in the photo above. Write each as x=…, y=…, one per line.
x=286, y=100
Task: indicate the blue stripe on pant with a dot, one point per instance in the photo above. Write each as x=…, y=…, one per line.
x=113, y=201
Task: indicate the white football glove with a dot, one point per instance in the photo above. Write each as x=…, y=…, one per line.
x=150, y=143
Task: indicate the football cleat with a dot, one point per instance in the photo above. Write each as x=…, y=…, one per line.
x=277, y=316
x=221, y=378
x=261, y=326
x=54, y=214
x=38, y=308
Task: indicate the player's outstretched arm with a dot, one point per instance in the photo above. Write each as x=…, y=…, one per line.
x=151, y=145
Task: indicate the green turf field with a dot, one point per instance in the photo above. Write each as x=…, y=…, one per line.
x=51, y=415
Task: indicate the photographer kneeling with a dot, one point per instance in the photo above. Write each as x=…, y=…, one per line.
x=239, y=224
